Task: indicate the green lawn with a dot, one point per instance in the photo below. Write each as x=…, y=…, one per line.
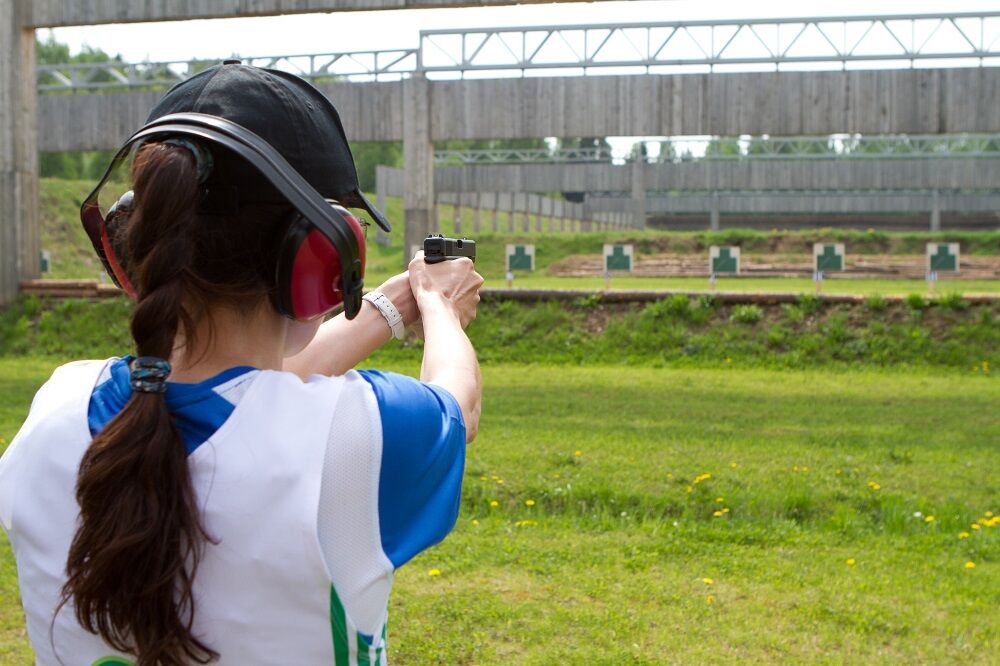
x=620, y=559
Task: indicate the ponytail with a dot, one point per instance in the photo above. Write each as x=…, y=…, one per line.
x=133, y=559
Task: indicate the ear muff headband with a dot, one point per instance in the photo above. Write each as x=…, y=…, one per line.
x=253, y=149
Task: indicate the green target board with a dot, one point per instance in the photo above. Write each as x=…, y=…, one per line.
x=618, y=258
x=828, y=257
x=942, y=257
x=520, y=258
x=724, y=259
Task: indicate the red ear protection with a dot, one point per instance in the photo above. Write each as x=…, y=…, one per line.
x=309, y=270
x=321, y=260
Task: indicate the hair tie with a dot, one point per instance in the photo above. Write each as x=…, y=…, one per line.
x=149, y=374
x=202, y=156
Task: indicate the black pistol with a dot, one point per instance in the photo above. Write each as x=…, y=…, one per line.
x=439, y=248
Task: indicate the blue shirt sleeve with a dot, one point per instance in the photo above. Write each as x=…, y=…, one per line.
x=423, y=459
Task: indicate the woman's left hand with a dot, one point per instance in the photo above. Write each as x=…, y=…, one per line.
x=397, y=289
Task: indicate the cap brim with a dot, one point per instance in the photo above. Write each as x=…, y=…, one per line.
x=356, y=199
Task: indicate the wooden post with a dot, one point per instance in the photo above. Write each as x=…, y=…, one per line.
x=20, y=246
x=382, y=175
x=713, y=217
x=496, y=212
x=419, y=212
x=639, y=194
x=477, y=218
x=935, y=211
x=457, y=216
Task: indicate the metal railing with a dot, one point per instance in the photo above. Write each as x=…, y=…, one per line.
x=694, y=149
x=317, y=68
x=682, y=46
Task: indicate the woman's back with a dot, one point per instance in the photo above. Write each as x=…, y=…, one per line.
x=263, y=592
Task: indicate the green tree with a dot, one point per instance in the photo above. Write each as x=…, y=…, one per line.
x=370, y=154
x=723, y=147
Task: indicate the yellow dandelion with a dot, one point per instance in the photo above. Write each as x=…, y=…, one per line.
x=578, y=453
x=725, y=509
x=795, y=468
x=707, y=581
x=494, y=503
x=988, y=514
x=850, y=562
x=710, y=600
x=717, y=513
x=670, y=477
x=729, y=360
x=732, y=465
x=500, y=482
x=970, y=565
x=805, y=469
x=495, y=477
x=838, y=472
x=434, y=572
x=690, y=489
x=963, y=535
x=975, y=526
x=929, y=519
x=719, y=500
x=529, y=502
x=475, y=522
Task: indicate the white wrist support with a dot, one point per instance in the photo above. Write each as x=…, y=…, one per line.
x=389, y=311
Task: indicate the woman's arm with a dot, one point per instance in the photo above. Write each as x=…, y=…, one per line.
x=339, y=345
x=447, y=294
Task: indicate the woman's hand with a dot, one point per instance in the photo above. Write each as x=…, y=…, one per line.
x=454, y=284
x=397, y=289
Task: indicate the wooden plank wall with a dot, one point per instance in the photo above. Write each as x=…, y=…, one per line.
x=52, y=13
x=928, y=101
x=758, y=174
x=786, y=104
x=819, y=203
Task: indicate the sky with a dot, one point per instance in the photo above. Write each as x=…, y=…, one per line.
x=380, y=30
x=347, y=31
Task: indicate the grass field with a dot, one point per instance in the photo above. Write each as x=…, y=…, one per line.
x=616, y=516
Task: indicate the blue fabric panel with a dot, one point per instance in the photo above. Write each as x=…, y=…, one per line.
x=198, y=411
x=423, y=458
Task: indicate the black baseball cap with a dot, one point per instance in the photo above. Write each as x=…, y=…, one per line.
x=288, y=113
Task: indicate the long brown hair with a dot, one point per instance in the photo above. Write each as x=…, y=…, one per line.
x=133, y=559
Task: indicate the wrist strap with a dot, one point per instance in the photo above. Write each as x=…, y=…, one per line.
x=389, y=311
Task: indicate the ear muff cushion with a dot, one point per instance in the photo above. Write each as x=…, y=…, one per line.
x=309, y=283
x=308, y=273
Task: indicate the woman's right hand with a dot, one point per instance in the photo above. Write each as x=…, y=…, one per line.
x=453, y=283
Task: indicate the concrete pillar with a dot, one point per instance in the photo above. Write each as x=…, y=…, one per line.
x=477, y=217
x=20, y=245
x=419, y=211
x=496, y=212
x=713, y=222
x=935, y=211
x=381, y=199
x=538, y=214
x=510, y=218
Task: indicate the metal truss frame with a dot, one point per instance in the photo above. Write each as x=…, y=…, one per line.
x=783, y=44
x=826, y=40
x=317, y=68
